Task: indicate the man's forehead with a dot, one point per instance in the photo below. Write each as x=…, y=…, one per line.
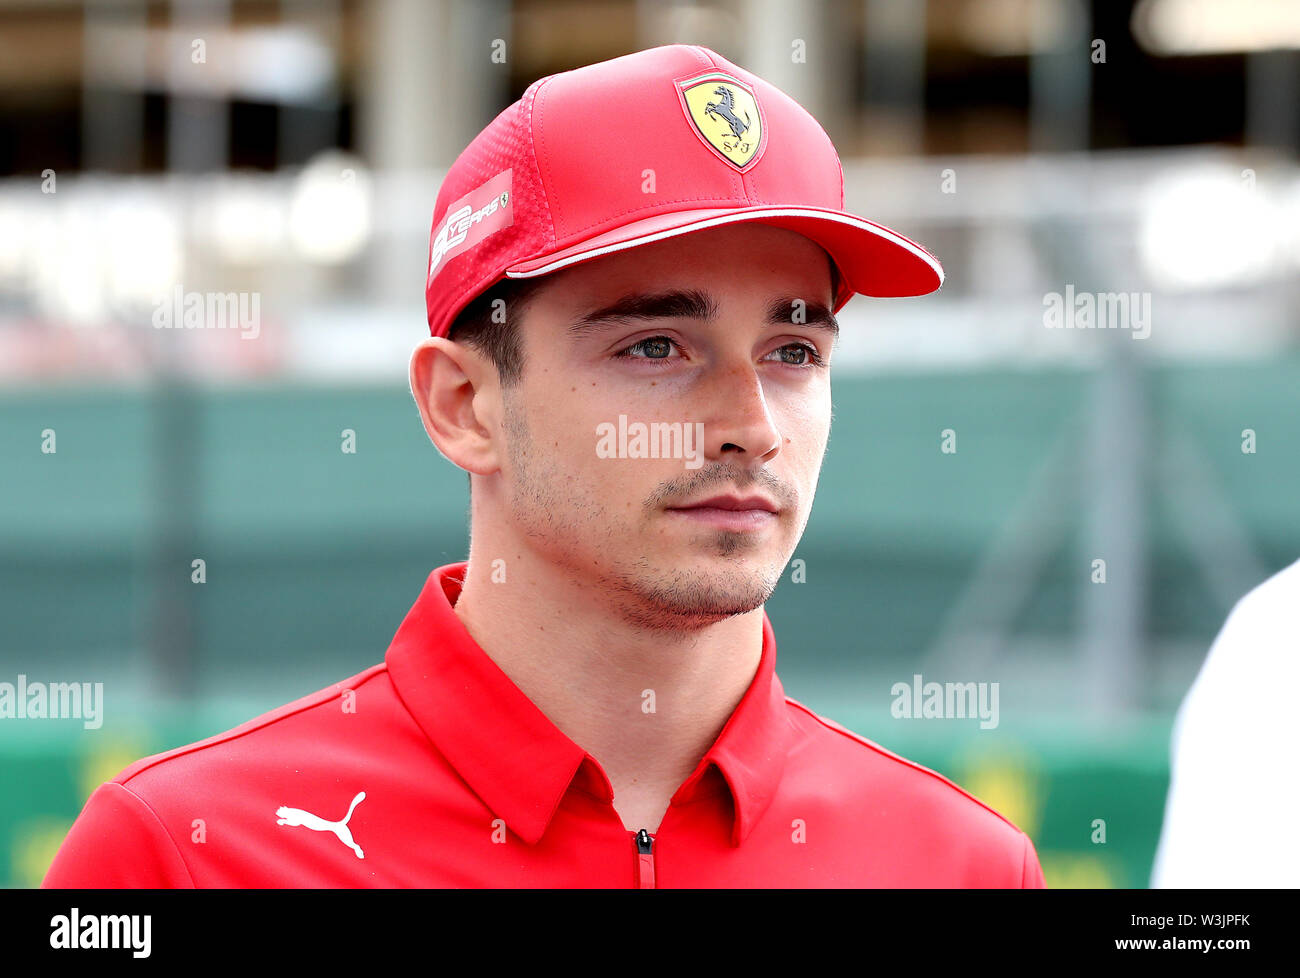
x=773, y=308
x=782, y=264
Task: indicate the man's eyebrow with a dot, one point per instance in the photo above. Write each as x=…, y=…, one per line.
x=817, y=314
x=680, y=304
x=695, y=304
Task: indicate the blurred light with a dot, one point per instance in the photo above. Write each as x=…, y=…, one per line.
x=329, y=214
x=14, y=243
x=1289, y=221
x=286, y=64
x=1013, y=27
x=246, y=221
x=1216, y=26
x=66, y=272
x=141, y=249
x=1206, y=229
x=283, y=64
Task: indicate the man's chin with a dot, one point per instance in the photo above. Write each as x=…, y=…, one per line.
x=686, y=600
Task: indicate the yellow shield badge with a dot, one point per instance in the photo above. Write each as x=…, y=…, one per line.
x=726, y=117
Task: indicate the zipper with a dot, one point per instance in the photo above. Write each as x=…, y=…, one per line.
x=645, y=860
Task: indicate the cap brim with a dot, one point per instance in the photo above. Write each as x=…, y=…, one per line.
x=873, y=260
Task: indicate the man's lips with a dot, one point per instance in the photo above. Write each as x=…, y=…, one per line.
x=733, y=503
x=737, y=513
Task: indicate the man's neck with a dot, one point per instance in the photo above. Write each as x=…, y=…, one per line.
x=646, y=704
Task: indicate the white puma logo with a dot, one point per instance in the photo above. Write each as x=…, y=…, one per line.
x=296, y=816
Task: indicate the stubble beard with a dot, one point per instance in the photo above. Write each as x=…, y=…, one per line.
x=551, y=511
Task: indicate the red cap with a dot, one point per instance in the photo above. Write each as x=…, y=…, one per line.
x=640, y=148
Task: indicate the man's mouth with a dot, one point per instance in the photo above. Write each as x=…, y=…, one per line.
x=731, y=512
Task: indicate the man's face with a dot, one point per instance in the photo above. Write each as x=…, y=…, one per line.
x=718, y=332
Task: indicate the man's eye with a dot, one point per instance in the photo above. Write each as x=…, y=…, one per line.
x=799, y=355
x=650, y=348
x=661, y=347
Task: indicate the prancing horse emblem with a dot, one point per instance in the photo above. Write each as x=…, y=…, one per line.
x=727, y=110
x=726, y=117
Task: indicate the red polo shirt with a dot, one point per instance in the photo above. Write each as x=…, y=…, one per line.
x=433, y=769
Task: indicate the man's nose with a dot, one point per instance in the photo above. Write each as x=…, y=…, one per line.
x=738, y=426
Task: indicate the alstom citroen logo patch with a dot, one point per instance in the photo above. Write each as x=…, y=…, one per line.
x=726, y=117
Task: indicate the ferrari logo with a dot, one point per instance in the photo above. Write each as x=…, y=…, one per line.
x=726, y=117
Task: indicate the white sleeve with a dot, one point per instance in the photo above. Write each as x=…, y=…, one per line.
x=1230, y=816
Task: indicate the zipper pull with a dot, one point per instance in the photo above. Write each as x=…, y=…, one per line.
x=645, y=861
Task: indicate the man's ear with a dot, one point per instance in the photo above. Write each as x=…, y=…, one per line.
x=458, y=394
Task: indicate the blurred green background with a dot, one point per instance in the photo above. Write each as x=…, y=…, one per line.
x=313, y=557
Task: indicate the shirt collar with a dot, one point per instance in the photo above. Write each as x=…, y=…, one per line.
x=518, y=762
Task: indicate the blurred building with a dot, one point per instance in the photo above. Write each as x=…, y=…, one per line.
x=278, y=162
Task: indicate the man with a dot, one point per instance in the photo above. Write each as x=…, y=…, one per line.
x=632, y=279
x=1229, y=818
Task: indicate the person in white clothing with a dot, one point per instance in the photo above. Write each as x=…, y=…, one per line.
x=1230, y=819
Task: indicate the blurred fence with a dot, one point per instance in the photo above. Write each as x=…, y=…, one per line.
x=313, y=555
